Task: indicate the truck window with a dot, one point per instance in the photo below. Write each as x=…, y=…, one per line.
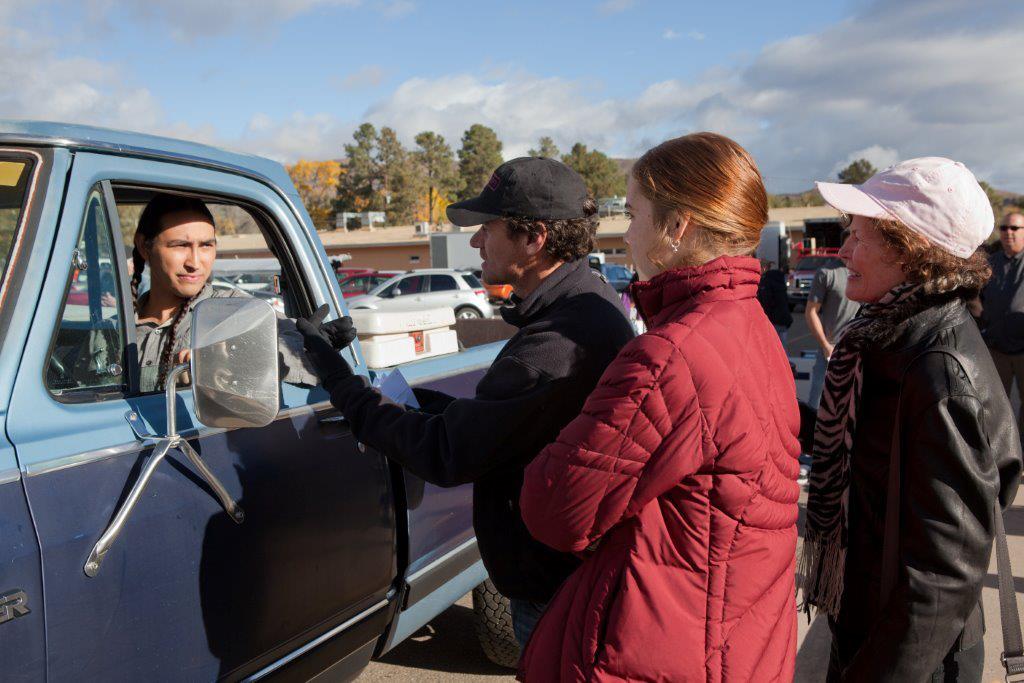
x=248, y=263
x=87, y=353
x=15, y=175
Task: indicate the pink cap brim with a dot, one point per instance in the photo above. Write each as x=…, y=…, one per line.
x=851, y=200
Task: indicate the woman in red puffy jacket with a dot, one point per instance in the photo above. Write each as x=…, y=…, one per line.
x=677, y=483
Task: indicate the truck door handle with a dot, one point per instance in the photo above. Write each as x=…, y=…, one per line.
x=330, y=418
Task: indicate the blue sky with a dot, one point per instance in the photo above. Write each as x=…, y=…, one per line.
x=805, y=85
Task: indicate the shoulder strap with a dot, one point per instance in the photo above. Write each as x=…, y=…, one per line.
x=1013, y=642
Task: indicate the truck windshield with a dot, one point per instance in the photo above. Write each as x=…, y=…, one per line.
x=15, y=175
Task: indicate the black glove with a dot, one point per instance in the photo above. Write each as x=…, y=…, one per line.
x=320, y=348
x=340, y=332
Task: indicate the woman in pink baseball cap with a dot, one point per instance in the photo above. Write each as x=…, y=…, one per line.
x=915, y=445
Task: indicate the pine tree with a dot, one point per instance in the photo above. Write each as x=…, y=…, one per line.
x=857, y=172
x=437, y=171
x=394, y=171
x=479, y=155
x=601, y=174
x=356, y=191
x=546, y=148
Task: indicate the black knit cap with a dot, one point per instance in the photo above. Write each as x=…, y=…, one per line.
x=527, y=187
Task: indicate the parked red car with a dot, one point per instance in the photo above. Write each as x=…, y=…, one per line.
x=362, y=282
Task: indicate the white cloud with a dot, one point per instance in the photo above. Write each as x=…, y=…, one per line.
x=696, y=35
x=521, y=109
x=879, y=157
x=300, y=136
x=615, y=6
x=669, y=34
x=42, y=85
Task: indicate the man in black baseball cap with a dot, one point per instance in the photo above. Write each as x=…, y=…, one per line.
x=537, y=225
x=529, y=187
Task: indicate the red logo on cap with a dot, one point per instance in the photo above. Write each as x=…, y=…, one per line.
x=494, y=182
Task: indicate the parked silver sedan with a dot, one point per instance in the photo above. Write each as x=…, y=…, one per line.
x=429, y=288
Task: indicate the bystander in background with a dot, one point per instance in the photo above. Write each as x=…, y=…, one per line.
x=827, y=313
x=1002, y=306
x=771, y=294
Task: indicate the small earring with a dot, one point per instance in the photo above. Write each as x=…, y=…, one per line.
x=675, y=246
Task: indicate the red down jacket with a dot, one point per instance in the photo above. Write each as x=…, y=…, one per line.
x=683, y=467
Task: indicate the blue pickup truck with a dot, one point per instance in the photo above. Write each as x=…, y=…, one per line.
x=286, y=551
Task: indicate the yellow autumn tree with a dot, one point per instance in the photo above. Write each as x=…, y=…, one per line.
x=317, y=185
x=423, y=209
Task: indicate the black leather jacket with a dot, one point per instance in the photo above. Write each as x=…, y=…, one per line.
x=960, y=449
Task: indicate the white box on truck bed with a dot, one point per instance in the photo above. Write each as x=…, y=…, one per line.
x=393, y=337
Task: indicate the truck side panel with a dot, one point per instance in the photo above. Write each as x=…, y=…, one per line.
x=22, y=642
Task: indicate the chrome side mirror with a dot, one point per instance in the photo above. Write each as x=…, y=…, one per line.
x=234, y=362
x=235, y=381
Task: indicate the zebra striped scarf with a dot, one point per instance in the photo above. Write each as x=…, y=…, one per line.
x=823, y=556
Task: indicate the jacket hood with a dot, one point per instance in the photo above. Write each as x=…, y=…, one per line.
x=566, y=277
x=726, y=278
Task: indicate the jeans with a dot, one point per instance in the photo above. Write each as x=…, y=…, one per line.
x=525, y=615
x=817, y=380
x=783, y=332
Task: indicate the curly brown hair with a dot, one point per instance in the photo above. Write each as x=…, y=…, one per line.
x=941, y=271
x=568, y=239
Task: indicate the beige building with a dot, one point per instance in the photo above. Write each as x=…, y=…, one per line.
x=402, y=248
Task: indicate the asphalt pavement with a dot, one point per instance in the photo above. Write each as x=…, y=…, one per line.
x=446, y=649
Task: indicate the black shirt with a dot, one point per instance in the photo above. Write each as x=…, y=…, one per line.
x=1002, y=317
x=570, y=328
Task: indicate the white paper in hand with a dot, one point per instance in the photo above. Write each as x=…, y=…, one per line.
x=394, y=386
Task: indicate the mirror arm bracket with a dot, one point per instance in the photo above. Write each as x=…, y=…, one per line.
x=163, y=446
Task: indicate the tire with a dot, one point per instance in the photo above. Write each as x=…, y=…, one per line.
x=467, y=312
x=493, y=622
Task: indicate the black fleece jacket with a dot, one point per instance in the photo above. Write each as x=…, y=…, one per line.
x=570, y=329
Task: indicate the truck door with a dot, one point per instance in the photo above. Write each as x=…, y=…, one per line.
x=185, y=593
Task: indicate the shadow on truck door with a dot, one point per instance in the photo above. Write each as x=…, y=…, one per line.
x=316, y=547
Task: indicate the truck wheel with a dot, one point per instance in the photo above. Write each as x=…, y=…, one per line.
x=494, y=625
x=467, y=312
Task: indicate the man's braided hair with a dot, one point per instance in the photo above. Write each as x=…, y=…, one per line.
x=151, y=223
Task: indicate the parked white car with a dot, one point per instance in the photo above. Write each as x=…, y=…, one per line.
x=429, y=288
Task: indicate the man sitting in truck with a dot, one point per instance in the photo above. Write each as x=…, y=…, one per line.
x=537, y=225
x=176, y=239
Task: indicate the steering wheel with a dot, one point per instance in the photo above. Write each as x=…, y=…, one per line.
x=57, y=366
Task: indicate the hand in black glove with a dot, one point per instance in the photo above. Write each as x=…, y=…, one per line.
x=320, y=340
x=340, y=332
